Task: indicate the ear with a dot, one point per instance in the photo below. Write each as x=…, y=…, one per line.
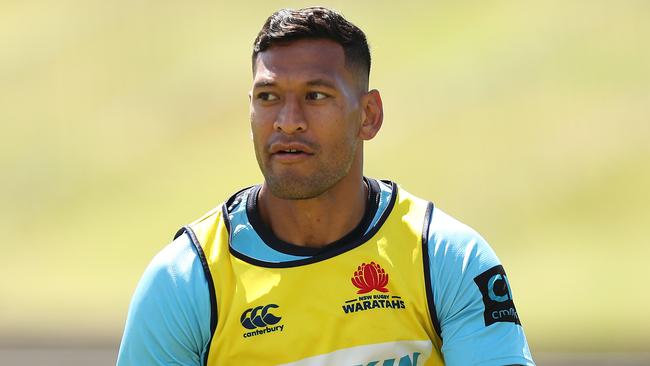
x=372, y=114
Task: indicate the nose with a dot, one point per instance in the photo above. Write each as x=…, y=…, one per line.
x=291, y=118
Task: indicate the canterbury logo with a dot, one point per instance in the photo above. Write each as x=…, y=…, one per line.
x=370, y=277
x=259, y=317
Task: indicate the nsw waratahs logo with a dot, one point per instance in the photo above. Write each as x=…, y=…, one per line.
x=367, y=278
x=370, y=277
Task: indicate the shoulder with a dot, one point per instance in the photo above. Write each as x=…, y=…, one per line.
x=168, y=318
x=472, y=298
x=457, y=255
x=177, y=266
x=453, y=243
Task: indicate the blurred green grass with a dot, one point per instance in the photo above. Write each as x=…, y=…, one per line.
x=530, y=121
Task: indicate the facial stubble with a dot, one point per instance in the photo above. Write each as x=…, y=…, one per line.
x=292, y=185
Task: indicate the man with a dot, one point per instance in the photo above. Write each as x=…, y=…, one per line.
x=320, y=265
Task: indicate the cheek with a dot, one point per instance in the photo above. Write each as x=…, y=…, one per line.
x=262, y=118
x=258, y=124
x=352, y=126
x=259, y=141
x=257, y=133
x=258, y=146
x=340, y=125
x=332, y=118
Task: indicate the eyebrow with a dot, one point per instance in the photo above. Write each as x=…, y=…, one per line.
x=264, y=83
x=321, y=82
x=315, y=82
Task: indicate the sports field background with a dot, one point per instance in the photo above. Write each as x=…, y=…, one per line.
x=529, y=120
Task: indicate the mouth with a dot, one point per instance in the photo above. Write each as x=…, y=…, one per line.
x=291, y=148
x=290, y=153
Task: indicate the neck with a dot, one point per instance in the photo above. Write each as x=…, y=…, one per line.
x=317, y=221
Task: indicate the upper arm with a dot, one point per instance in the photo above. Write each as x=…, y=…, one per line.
x=169, y=316
x=472, y=297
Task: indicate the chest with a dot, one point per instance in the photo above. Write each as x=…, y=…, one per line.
x=363, y=306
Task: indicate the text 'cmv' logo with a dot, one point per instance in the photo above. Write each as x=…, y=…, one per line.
x=497, y=297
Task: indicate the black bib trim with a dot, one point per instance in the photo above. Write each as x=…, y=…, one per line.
x=350, y=241
x=209, y=280
x=427, y=270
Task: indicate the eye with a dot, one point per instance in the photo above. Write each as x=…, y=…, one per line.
x=316, y=96
x=267, y=97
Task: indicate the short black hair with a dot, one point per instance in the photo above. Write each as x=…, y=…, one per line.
x=287, y=25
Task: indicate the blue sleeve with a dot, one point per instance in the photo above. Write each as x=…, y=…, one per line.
x=478, y=321
x=169, y=317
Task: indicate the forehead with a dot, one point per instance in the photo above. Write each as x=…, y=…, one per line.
x=303, y=59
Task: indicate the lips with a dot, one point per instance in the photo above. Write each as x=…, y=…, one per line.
x=292, y=147
x=290, y=152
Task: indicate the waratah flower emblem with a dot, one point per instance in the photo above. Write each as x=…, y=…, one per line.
x=370, y=277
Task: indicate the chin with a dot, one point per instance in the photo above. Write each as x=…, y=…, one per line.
x=300, y=188
x=294, y=190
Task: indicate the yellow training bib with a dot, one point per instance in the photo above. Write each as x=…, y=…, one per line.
x=362, y=305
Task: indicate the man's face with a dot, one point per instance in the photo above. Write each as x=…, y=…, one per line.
x=305, y=117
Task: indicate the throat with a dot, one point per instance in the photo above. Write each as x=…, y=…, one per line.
x=314, y=223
